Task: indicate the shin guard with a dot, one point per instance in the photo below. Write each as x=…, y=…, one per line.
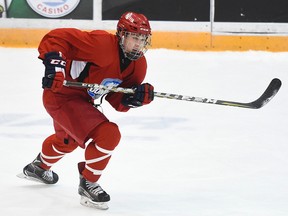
x=105, y=137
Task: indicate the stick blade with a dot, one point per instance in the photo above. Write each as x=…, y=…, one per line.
x=269, y=93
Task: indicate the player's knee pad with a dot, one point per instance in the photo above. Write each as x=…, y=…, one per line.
x=106, y=135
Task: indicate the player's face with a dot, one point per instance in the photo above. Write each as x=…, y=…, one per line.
x=135, y=42
x=134, y=45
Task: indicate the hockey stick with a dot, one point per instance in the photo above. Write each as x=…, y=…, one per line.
x=268, y=94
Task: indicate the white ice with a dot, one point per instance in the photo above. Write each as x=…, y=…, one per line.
x=175, y=158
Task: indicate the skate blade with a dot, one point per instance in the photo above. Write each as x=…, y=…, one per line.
x=89, y=203
x=23, y=176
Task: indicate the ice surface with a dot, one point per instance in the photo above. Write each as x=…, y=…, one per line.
x=175, y=158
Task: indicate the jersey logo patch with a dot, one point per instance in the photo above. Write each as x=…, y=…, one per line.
x=95, y=93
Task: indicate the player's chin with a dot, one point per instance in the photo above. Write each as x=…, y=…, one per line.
x=135, y=54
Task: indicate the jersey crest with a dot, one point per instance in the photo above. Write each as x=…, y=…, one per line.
x=95, y=93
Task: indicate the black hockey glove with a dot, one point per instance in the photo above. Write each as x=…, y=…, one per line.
x=54, y=71
x=143, y=95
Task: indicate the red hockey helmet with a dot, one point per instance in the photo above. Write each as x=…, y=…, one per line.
x=135, y=23
x=134, y=33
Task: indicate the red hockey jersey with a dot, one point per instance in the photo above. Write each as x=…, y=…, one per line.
x=93, y=57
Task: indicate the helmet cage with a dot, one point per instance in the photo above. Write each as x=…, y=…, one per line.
x=141, y=43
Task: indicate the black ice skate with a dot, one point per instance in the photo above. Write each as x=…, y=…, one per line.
x=92, y=195
x=35, y=173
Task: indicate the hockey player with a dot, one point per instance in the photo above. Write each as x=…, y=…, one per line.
x=92, y=57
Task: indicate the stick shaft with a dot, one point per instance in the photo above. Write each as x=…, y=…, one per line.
x=269, y=93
